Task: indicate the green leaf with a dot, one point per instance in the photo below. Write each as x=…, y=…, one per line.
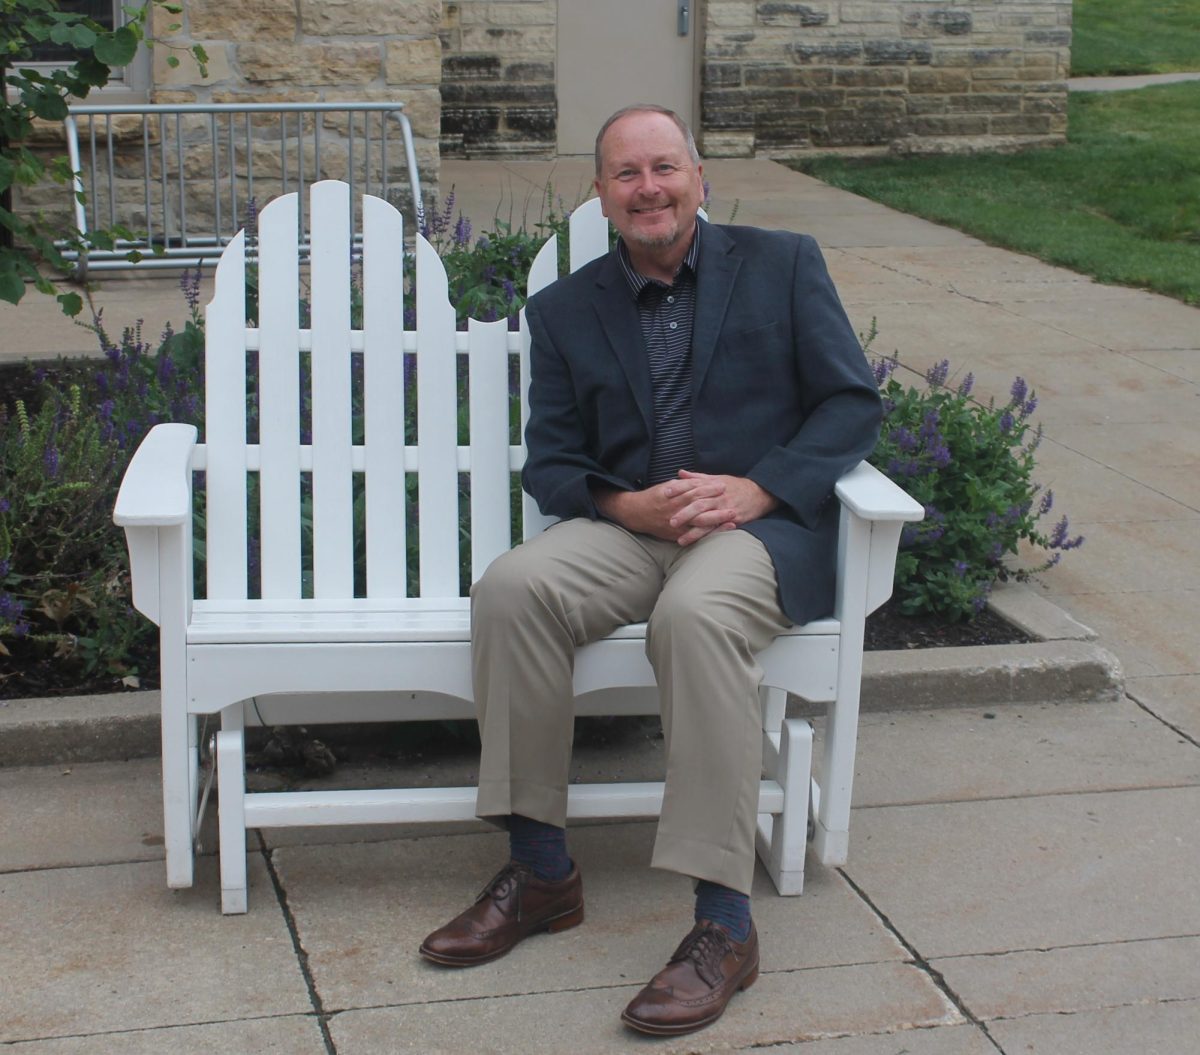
x=117, y=48
x=72, y=303
x=83, y=36
x=12, y=289
x=173, y=61
x=49, y=107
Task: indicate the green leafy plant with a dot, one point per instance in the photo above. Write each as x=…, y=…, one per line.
x=33, y=93
x=971, y=466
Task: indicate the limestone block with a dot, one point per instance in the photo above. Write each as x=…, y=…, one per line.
x=519, y=42
x=187, y=73
x=986, y=102
x=727, y=144
x=236, y=20
x=520, y=14
x=882, y=13
x=1020, y=124
x=949, y=125
x=377, y=18
x=414, y=61
x=867, y=76
x=926, y=104
x=308, y=64
x=791, y=14
x=938, y=80
x=731, y=15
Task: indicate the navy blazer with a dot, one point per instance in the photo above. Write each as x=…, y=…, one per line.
x=781, y=393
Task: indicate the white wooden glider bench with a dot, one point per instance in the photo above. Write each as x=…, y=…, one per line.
x=306, y=637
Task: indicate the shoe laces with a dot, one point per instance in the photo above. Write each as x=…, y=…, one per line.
x=705, y=947
x=508, y=882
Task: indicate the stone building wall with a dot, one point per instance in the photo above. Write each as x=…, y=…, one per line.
x=498, y=77
x=311, y=51
x=780, y=79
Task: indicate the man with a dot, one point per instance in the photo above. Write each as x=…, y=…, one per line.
x=695, y=394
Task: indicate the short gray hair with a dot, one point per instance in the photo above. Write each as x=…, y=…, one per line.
x=649, y=108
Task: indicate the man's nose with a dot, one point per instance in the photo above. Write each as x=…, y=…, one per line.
x=647, y=183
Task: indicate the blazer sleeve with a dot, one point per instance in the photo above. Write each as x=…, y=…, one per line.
x=841, y=410
x=559, y=467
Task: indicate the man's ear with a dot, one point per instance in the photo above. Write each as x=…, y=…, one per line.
x=600, y=195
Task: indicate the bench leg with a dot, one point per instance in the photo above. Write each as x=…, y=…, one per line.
x=231, y=791
x=783, y=838
x=179, y=782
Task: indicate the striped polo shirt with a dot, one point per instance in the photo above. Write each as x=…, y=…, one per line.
x=666, y=314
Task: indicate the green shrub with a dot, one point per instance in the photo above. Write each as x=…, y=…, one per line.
x=971, y=466
x=64, y=586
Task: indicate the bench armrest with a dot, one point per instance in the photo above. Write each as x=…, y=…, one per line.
x=156, y=490
x=867, y=493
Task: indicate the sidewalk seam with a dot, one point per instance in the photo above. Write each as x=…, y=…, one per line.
x=298, y=947
x=922, y=964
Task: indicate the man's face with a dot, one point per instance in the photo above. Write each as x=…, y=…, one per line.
x=649, y=186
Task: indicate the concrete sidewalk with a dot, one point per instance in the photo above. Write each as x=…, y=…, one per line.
x=1021, y=879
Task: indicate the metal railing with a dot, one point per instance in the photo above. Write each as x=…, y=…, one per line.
x=183, y=178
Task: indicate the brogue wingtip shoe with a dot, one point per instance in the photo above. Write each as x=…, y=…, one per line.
x=513, y=905
x=695, y=987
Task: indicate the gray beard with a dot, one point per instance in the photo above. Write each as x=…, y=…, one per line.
x=658, y=241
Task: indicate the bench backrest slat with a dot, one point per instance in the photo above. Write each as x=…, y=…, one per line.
x=491, y=518
x=384, y=398
x=437, y=428
x=279, y=397
x=332, y=504
x=225, y=426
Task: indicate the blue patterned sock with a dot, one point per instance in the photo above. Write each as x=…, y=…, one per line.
x=728, y=908
x=541, y=846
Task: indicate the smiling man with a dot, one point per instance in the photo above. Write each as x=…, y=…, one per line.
x=695, y=395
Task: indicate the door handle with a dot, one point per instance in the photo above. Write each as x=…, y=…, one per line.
x=684, y=13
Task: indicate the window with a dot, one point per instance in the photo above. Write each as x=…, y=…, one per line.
x=109, y=13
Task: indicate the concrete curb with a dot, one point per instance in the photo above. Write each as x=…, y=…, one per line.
x=1064, y=664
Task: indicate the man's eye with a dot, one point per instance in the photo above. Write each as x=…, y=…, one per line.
x=664, y=169
x=626, y=174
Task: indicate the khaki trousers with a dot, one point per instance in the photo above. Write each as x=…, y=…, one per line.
x=710, y=608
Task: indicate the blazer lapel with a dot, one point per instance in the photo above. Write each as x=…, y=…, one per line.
x=618, y=317
x=718, y=268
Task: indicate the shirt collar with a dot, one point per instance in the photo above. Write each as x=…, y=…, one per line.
x=638, y=282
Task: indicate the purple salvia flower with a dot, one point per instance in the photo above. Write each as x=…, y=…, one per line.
x=883, y=369
x=960, y=568
x=1006, y=422
x=3, y=561
x=462, y=231
x=968, y=382
x=940, y=455
x=510, y=290
x=50, y=460
x=1047, y=503
x=904, y=439
x=1019, y=390
x=1028, y=407
x=5, y=506
x=936, y=375
x=929, y=427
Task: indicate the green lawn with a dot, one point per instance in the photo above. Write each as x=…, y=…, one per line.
x=1120, y=202
x=1135, y=36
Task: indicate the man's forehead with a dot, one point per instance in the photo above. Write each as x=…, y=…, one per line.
x=638, y=134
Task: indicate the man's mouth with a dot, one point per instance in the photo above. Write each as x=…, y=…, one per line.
x=650, y=210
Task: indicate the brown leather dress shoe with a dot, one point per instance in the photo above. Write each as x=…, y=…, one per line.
x=692, y=990
x=515, y=904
